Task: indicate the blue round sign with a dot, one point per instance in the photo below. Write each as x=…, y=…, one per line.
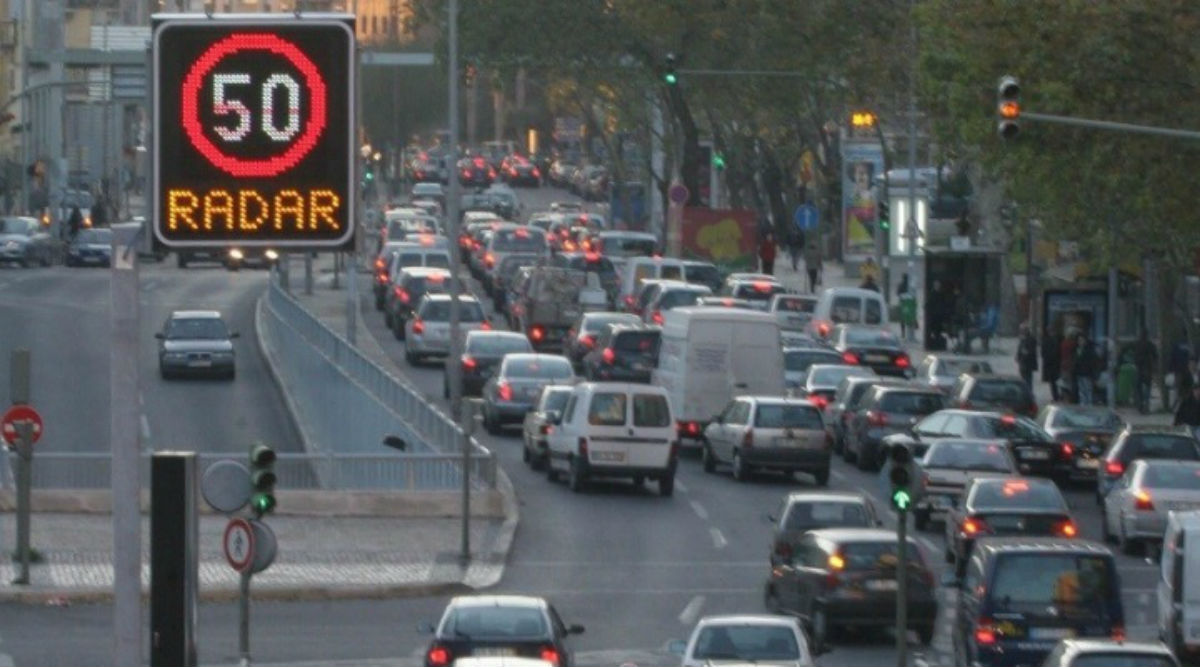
x=805, y=218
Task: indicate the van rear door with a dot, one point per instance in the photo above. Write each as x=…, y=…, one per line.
x=756, y=359
x=629, y=429
x=1190, y=588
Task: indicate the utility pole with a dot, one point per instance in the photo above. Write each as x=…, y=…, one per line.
x=911, y=230
x=454, y=362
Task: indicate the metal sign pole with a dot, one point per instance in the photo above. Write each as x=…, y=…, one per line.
x=453, y=363
x=24, y=472
x=244, y=618
x=902, y=590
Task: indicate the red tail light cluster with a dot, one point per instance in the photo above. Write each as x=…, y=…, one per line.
x=469, y=363
x=748, y=439
x=587, y=340
x=902, y=361
x=537, y=333
x=550, y=655
x=1066, y=529
x=818, y=400
x=1143, y=502
x=608, y=355
x=689, y=428
x=1066, y=450
x=875, y=418
x=985, y=632
x=437, y=656
x=1114, y=468
x=418, y=327
x=972, y=526
x=486, y=325
x=505, y=391
x=657, y=317
x=850, y=357
x=403, y=295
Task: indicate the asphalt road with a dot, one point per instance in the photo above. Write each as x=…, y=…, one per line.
x=635, y=568
x=62, y=315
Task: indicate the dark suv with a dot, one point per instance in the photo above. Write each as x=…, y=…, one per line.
x=886, y=410
x=977, y=391
x=1020, y=595
x=624, y=353
x=844, y=405
x=1143, y=442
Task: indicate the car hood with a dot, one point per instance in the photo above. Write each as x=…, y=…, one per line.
x=20, y=238
x=197, y=345
x=92, y=246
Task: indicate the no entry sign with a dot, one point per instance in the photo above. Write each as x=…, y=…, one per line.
x=18, y=414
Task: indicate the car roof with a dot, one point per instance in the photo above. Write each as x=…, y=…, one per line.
x=463, y=298
x=747, y=619
x=826, y=494
x=498, y=601
x=1107, y=645
x=777, y=400
x=493, y=333
x=910, y=387
x=1157, y=428
x=195, y=314
x=856, y=534
x=1035, y=544
x=622, y=386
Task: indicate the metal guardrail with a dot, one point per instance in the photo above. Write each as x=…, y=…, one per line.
x=347, y=403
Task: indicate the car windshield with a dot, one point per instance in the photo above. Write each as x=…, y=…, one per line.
x=97, y=236
x=475, y=622
x=619, y=246
x=911, y=402
x=191, y=328
x=495, y=346
x=748, y=643
x=651, y=410
x=967, y=456
x=800, y=360
x=1127, y=658
x=1066, y=417
x=439, y=311
x=15, y=226
x=526, y=239
x=952, y=368
x=1016, y=494
x=704, y=274
x=1159, y=446
x=1174, y=475
x=788, y=416
x=1004, y=392
x=871, y=337
x=1045, y=580
x=1010, y=427
x=802, y=516
x=541, y=368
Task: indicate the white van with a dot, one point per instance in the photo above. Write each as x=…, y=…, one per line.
x=709, y=355
x=846, y=305
x=637, y=269
x=1179, y=584
x=614, y=429
x=432, y=251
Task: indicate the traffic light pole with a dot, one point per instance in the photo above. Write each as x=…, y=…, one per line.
x=1109, y=125
x=902, y=589
x=244, y=618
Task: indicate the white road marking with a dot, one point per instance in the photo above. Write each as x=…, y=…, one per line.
x=717, y=538
x=692, y=611
x=141, y=399
x=679, y=485
x=145, y=429
x=699, y=510
x=838, y=475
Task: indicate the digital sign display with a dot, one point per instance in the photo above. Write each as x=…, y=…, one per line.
x=254, y=131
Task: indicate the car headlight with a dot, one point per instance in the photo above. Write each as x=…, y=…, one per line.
x=13, y=244
x=235, y=253
x=271, y=255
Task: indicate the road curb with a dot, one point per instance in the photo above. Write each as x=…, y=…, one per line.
x=66, y=597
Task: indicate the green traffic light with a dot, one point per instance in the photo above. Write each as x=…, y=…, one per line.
x=671, y=79
x=718, y=160
x=902, y=499
x=263, y=503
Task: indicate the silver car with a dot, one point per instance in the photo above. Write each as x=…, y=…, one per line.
x=769, y=432
x=196, y=342
x=947, y=467
x=24, y=241
x=822, y=381
x=1135, y=510
x=793, y=310
x=514, y=389
x=538, y=424
x=428, y=334
x=941, y=371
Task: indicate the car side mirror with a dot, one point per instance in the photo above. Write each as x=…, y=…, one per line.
x=676, y=647
x=575, y=629
x=769, y=517
x=160, y=335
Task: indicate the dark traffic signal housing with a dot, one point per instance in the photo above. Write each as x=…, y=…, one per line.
x=1008, y=107
x=669, y=75
x=262, y=480
x=901, y=477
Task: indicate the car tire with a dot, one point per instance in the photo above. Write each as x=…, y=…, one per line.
x=490, y=425
x=741, y=471
x=666, y=485
x=575, y=476
x=921, y=520
x=411, y=358
x=1106, y=535
x=388, y=320
x=526, y=457
x=861, y=459
x=822, y=477
x=847, y=455
x=925, y=634
x=707, y=458
x=181, y=261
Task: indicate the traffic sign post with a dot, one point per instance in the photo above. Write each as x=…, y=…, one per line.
x=806, y=217
x=238, y=544
x=11, y=421
x=254, y=123
x=21, y=426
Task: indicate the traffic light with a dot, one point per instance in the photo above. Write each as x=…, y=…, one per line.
x=718, y=160
x=1008, y=107
x=670, y=76
x=885, y=214
x=862, y=119
x=901, y=476
x=262, y=479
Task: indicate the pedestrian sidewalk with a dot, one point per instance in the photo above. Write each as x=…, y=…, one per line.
x=365, y=548
x=1002, y=349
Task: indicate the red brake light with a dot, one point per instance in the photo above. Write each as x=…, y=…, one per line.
x=486, y=325
x=537, y=333
x=490, y=260
x=629, y=301
x=438, y=656
x=1067, y=450
x=505, y=391
x=379, y=266
x=521, y=233
x=537, y=173
x=1114, y=468
x=592, y=256
x=478, y=162
x=403, y=295
x=466, y=173
x=985, y=632
x=469, y=363
x=876, y=418
x=568, y=245
x=823, y=328
x=902, y=361
x=587, y=340
x=418, y=327
x=762, y=286
x=1067, y=529
x=972, y=526
x=609, y=355
x=1142, y=501
x=818, y=400
x=657, y=317
x=693, y=428
x=1118, y=633
x=850, y=357
x=1008, y=420
x=550, y=655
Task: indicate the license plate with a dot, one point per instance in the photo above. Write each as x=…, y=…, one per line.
x=877, y=358
x=200, y=363
x=1088, y=464
x=882, y=585
x=1051, y=633
x=787, y=442
x=493, y=651
x=1033, y=454
x=610, y=457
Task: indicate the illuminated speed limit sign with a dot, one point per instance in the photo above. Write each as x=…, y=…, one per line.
x=254, y=131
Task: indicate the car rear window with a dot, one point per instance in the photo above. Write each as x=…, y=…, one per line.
x=1048, y=580
x=208, y=328
x=651, y=410
x=1100, y=419
x=1010, y=427
x=437, y=260
x=408, y=259
x=956, y=367
x=1016, y=495
x=513, y=240
x=643, y=342
x=607, y=409
x=800, y=360
x=967, y=456
x=1173, y=476
x=508, y=622
x=1148, y=446
x=846, y=310
x=795, y=304
x=757, y=291
x=497, y=345
x=616, y=246
x=746, y=643
x=874, y=312
x=597, y=264
x=439, y=311
x=671, y=272
x=557, y=400
x=808, y=515
x=871, y=337
x=788, y=416
x=537, y=368
x=1004, y=392
x=678, y=299
x=911, y=402
x=596, y=324
x=859, y=556
x=830, y=377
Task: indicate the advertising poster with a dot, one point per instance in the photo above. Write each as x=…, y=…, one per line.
x=1077, y=311
x=725, y=237
x=861, y=163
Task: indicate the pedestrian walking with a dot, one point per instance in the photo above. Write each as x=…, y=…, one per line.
x=1180, y=366
x=1066, y=356
x=1087, y=363
x=1145, y=359
x=1051, y=348
x=795, y=248
x=1027, y=355
x=766, y=253
x=908, y=308
x=74, y=222
x=1188, y=412
x=812, y=264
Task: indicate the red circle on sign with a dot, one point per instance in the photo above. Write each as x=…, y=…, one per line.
x=20, y=413
x=208, y=60
x=240, y=563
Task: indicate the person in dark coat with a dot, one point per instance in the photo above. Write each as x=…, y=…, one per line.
x=766, y=253
x=99, y=213
x=1181, y=369
x=1027, y=355
x=1066, y=360
x=1087, y=364
x=1051, y=347
x=1188, y=412
x=1145, y=359
x=75, y=221
x=795, y=248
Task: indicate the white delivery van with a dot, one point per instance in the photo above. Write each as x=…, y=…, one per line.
x=1178, y=589
x=709, y=355
x=846, y=305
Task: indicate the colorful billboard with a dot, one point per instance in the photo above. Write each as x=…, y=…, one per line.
x=861, y=163
x=725, y=237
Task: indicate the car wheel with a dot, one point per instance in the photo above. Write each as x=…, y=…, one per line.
x=410, y=358
x=666, y=485
x=1105, y=534
x=540, y=461
x=921, y=519
x=707, y=458
x=46, y=259
x=822, y=477
x=389, y=321
x=847, y=455
x=575, y=477
x=741, y=471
